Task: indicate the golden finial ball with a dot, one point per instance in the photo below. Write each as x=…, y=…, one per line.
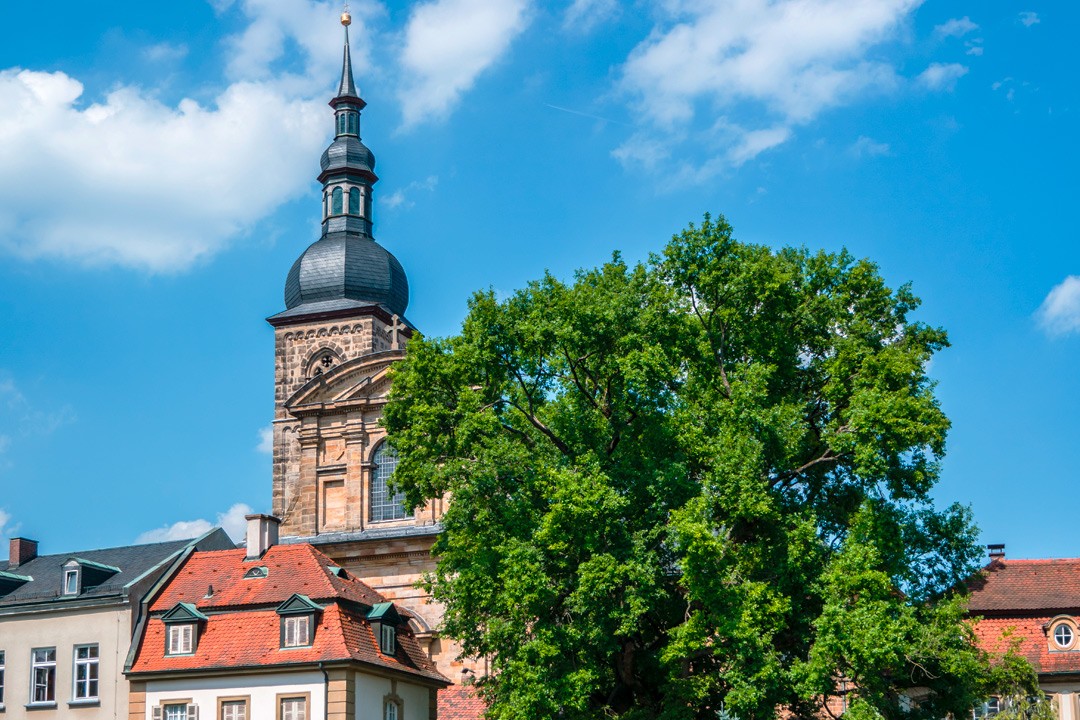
x=346, y=19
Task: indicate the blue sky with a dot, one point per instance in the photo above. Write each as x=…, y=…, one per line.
x=157, y=180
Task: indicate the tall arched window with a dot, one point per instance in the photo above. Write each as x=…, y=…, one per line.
x=325, y=207
x=335, y=205
x=354, y=123
x=341, y=124
x=354, y=201
x=367, y=204
x=385, y=506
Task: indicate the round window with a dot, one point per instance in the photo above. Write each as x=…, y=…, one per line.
x=1063, y=635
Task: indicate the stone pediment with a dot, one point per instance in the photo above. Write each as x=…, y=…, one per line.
x=363, y=380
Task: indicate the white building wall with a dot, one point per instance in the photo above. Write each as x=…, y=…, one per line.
x=108, y=627
x=263, y=690
x=371, y=691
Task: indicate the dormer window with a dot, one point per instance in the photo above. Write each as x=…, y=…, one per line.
x=71, y=581
x=298, y=621
x=297, y=631
x=384, y=620
x=181, y=639
x=182, y=629
x=388, y=642
x=81, y=575
x=1063, y=635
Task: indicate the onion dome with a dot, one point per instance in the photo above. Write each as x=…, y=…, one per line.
x=346, y=266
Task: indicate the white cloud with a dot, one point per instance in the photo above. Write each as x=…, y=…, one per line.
x=1029, y=18
x=868, y=146
x=7, y=529
x=313, y=27
x=400, y=197
x=266, y=440
x=156, y=186
x=642, y=150
x=448, y=43
x=26, y=418
x=231, y=521
x=1059, y=313
x=755, y=142
x=145, y=185
x=584, y=15
x=957, y=27
x=974, y=50
x=942, y=76
x=779, y=62
x=165, y=52
x=796, y=57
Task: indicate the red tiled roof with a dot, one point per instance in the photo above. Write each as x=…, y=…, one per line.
x=1033, y=642
x=243, y=628
x=291, y=569
x=1026, y=585
x=252, y=639
x=460, y=702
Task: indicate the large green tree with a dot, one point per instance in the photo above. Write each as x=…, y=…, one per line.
x=699, y=484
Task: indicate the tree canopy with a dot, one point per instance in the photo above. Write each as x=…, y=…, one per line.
x=696, y=485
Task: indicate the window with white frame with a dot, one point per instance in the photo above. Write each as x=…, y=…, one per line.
x=390, y=710
x=297, y=632
x=86, y=672
x=987, y=709
x=1, y=678
x=43, y=675
x=1063, y=635
x=71, y=581
x=234, y=710
x=178, y=711
x=294, y=708
x=180, y=639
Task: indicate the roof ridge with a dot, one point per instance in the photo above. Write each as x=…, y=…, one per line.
x=74, y=553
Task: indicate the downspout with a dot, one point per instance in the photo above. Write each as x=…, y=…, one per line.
x=326, y=691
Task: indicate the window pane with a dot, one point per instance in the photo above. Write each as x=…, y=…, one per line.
x=234, y=710
x=71, y=582
x=354, y=201
x=385, y=506
x=335, y=202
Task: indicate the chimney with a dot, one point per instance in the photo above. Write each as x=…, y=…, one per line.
x=21, y=551
x=997, y=552
x=262, y=534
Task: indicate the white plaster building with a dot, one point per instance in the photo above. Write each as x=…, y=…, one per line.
x=66, y=623
x=276, y=632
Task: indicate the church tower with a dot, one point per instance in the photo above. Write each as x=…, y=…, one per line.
x=342, y=329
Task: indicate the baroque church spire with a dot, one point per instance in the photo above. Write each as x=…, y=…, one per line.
x=346, y=270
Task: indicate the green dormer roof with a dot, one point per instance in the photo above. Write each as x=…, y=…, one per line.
x=183, y=612
x=94, y=565
x=384, y=612
x=298, y=604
